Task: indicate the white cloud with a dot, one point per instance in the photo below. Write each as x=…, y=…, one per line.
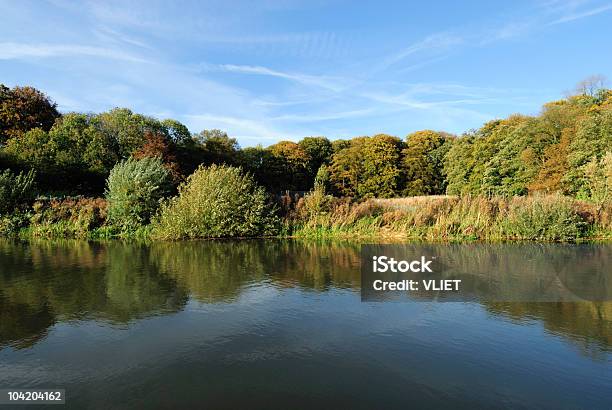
x=239, y=127
x=113, y=36
x=326, y=82
x=305, y=93
x=17, y=51
x=580, y=15
x=435, y=43
x=324, y=117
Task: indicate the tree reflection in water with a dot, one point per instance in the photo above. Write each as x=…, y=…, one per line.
x=42, y=283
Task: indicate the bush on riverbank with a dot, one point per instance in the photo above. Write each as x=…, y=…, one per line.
x=550, y=218
x=215, y=202
x=134, y=190
x=547, y=218
x=16, y=190
x=69, y=218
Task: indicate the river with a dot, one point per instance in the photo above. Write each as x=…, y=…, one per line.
x=281, y=324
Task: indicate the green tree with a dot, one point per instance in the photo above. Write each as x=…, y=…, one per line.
x=496, y=159
x=561, y=119
x=262, y=164
x=176, y=132
x=319, y=151
x=290, y=166
x=369, y=167
x=340, y=144
x=593, y=137
x=74, y=142
x=321, y=181
x=598, y=174
x=31, y=149
x=422, y=161
x=127, y=129
x=346, y=168
x=459, y=163
x=78, y=142
x=218, y=147
x=381, y=167
x=519, y=141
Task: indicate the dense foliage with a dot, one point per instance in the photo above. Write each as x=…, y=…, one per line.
x=24, y=108
x=69, y=218
x=566, y=149
x=134, y=190
x=518, y=155
x=15, y=190
x=547, y=153
x=214, y=202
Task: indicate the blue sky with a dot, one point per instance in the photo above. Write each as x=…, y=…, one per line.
x=272, y=70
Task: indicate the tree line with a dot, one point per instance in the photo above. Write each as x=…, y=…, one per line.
x=566, y=148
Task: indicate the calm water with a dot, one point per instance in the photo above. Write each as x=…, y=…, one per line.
x=280, y=324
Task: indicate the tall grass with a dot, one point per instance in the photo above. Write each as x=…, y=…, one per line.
x=208, y=208
x=542, y=218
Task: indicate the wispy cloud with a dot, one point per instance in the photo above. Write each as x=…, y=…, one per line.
x=275, y=76
x=404, y=100
x=288, y=103
x=441, y=44
x=582, y=14
x=508, y=31
x=324, y=117
x=114, y=36
x=435, y=43
x=16, y=51
x=240, y=126
x=327, y=82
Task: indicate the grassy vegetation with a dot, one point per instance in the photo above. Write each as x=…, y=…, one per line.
x=222, y=202
x=77, y=218
x=536, y=218
x=318, y=216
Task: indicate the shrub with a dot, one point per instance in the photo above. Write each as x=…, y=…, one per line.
x=68, y=217
x=134, y=191
x=552, y=218
x=214, y=202
x=598, y=174
x=10, y=225
x=16, y=191
x=314, y=205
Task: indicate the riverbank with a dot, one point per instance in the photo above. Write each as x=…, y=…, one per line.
x=551, y=218
x=536, y=218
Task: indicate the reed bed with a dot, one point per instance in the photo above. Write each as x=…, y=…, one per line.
x=537, y=218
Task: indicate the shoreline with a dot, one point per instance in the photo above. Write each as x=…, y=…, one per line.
x=329, y=238
x=436, y=219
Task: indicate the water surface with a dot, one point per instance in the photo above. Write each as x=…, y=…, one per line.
x=280, y=324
